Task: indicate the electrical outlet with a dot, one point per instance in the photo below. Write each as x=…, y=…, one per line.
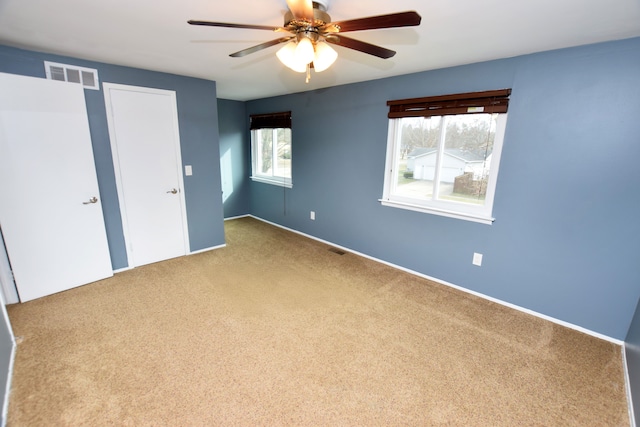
x=312, y=215
x=477, y=259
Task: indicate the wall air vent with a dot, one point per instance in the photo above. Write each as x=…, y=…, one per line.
x=87, y=77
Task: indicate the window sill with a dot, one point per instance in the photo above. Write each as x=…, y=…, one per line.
x=278, y=182
x=435, y=211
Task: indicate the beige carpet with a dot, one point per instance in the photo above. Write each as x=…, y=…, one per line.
x=275, y=329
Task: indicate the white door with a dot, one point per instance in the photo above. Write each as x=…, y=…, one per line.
x=143, y=127
x=50, y=209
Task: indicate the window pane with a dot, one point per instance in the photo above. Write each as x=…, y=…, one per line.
x=444, y=157
x=464, y=169
x=264, y=151
x=283, y=153
x=416, y=156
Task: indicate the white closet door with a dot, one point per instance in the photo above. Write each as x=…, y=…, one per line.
x=145, y=143
x=50, y=208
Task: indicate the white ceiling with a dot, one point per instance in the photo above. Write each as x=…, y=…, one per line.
x=154, y=35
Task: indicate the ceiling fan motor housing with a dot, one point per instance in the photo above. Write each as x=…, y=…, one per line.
x=320, y=17
x=321, y=4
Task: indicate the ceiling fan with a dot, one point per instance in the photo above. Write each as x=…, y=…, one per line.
x=309, y=30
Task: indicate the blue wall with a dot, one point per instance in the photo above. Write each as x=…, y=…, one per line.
x=234, y=157
x=198, y=122
x=632, y=350
x=565, y=242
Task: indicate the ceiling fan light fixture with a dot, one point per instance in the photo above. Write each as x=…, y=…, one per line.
x=304, y=53
x=286, y=55
x=325, y=56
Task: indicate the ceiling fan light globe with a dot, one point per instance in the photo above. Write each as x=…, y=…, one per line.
x=286, y=55
x=299, y=68
x=324, y=58
x=304, y=51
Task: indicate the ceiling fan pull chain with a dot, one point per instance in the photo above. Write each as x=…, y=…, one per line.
x=308, y=73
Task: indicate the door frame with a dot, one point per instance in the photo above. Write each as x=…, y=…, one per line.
x=107, y=87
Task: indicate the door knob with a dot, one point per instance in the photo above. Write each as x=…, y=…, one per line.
x=172, y=191
x=91, y=200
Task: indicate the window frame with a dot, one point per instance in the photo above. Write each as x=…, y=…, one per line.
x=275, y=122
x=447, y=105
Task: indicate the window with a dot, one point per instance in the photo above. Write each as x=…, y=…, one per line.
x=271, y=148
x=443, y=153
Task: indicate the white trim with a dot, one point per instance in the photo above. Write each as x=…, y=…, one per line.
x=9, y=290
x=237, y=217
x=116, y=162
x=442, y=282
x=7, y=392
x=441, y=212
x=627, y=381
x=274, y=181
x=211, y=248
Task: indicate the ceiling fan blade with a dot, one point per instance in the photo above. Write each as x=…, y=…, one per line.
x=392, y=20
x=261, y=46
x=301, y=9
x=228, y=25
x=371, y=49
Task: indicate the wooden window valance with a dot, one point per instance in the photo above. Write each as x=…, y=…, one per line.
x=271, y=121
x=492, y=101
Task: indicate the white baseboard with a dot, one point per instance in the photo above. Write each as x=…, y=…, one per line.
x=627, y=381
x=239, y=216
x=7, y=392
x=120, y=270
x=212, y=248
x=460, y=288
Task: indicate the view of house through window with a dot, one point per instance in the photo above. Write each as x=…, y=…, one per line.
x=445, y=157
x=271, y=148
x=444, y=164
